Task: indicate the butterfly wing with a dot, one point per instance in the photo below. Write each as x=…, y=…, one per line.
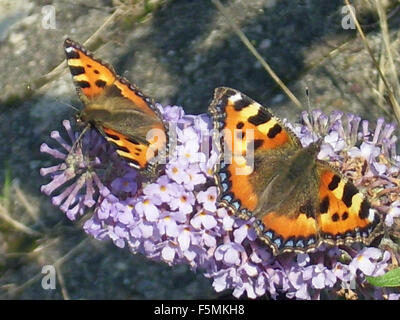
x=332, y=210
x=119, y=110
x=243, y=129
x=345, y=215
x=293, y=197
x=91, y=76
x=295, y=231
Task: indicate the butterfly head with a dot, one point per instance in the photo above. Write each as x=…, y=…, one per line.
x=90, y=114
x=315, y=147
x=78, y=117
x=81, y=118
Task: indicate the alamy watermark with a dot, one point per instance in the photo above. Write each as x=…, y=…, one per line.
x=237, y=146
x=49, y=17
x=49, y=279
x=347, y=20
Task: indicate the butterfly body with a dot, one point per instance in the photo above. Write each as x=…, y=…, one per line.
x=117, y=113
x=288, y=175
x=118, y=110
x=297, y=201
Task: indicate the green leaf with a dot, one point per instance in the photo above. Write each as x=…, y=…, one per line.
x=389, y=279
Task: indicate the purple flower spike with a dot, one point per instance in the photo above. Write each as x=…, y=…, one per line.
x=78, y=169
x=175, y=218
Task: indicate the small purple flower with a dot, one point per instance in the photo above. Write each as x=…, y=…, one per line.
x=177, y=172
x=394, y=296
x=168, y=253
x=393, y=213
x=196, y=177
x=148, y=209
x=126, y=183
x=189, y=152
x=93, y=226
x=322, y=277
x=370, y=261
x=146, y=230
x=221, y=280
x=107, y=206
x=367, y=151
x=163, y=188
x=245, y=231
x=226, y=220
x=204, y=219
x=208, y=239
x=172, y=113
x=335, y=141
x=247, y=275
x=208, y=165
x=125, y=213
x=208, y=199
x=168, y=226
x=229, y=254
x=202, y=124
x=342, y=272
x=185, y=238
x=189, y=136
x=118, y=234
x=183, y=202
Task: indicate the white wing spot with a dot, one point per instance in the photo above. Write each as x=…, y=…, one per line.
x=371, y=215
x=236, y=97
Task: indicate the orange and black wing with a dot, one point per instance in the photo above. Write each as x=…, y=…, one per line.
x=91, y=76
x=243, y=127
x=101, y=89
x=345, y=215
x=295, y=231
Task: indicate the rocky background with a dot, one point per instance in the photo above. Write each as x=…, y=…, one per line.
x=177, y=52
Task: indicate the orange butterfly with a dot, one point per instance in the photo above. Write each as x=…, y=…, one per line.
x=118, y=110
x=298, y=201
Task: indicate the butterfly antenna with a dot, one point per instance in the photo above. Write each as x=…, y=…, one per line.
x=308, y=99
x=85, y=129
x=309, y=105
x=312, y=119
x=68, y=105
